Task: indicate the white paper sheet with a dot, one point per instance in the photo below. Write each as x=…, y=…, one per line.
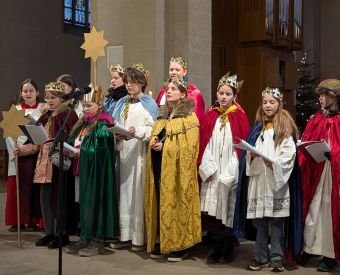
x=316, y=149
x=246, y=146
x=35, y=133
x=119, y=129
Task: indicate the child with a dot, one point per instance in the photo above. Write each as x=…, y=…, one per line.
x=173, y=219
x=178, y=70
x=268, y=191
x=321, y=181
x=218, y=165
x=29, y=194
x=117, y=89
x=136, y=112
x=45, y=173
x=98, y=191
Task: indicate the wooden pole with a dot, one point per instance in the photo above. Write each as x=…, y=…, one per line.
x=95, y=73
x=18, y=200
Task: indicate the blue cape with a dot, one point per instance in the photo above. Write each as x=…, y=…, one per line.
x=293, y=225
x=148, y=103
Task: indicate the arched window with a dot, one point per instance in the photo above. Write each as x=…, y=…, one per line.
x=77, y=17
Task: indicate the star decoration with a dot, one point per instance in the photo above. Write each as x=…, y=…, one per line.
x=94, y=44
x=10, y=122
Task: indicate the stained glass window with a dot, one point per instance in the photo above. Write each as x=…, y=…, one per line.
x=77, y=14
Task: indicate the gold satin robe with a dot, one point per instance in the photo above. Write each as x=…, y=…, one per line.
x=180, y=216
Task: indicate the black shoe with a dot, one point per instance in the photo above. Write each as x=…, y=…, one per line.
x=326, y=264
x=32, y=228
x=305, y=257
x=228, y=258
x=178, y=256
x=156, y=253
x=14, y=228
x=44, y=241
x=55, y=242
x=214, y=257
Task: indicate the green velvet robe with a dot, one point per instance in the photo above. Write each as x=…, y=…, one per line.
x=98, y=191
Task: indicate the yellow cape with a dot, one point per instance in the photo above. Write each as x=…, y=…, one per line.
x=180, y=216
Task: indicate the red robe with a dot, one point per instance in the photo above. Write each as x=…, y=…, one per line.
x=29, y=194
x=194, y=94
x=320, y=127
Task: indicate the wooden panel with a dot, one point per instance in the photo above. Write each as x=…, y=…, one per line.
x=272, y=75
x=251, y=70
x=291, y=80
x=252, y=20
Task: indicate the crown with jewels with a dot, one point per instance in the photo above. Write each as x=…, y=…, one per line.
x=117, y=68
x=231, y=81
x=179, y=60
x=275, y=92
x=56, y=87
x=96, y=95
x=140, y=67
x=180, y=82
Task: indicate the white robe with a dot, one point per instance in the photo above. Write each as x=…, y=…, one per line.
x=318, y=230
x=34, y=115
x=268, y=191
x=220, y=162
x=132, y=174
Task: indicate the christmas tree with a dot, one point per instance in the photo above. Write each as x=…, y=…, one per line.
x=306, y=100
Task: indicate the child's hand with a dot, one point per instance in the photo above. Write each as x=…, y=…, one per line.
x=119, y=137
x=132, y=131
x=154, y=141
x=157, y=146
x=77, y=154
x=268, y=164
x=111, y=125
x=253, y=155
x=16, y=151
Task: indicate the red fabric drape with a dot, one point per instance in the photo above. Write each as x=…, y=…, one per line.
x=239, y=125
x=322, y=128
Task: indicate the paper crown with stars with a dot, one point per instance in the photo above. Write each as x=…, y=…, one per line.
x=117, y=68
x=55, y=87
x=179, y=60
x=274, y=92
x=231, y=81
x=140, y=67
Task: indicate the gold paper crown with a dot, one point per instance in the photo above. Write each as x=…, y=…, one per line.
x=179, y=60
x=275, y=92
x=55, y=87
x=180, y=82
x=117, y=68
x=140, y=67
x=231, y=81
x=96, y=95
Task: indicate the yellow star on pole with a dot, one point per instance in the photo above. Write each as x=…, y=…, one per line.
x=10, y=122
x=94, y=44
